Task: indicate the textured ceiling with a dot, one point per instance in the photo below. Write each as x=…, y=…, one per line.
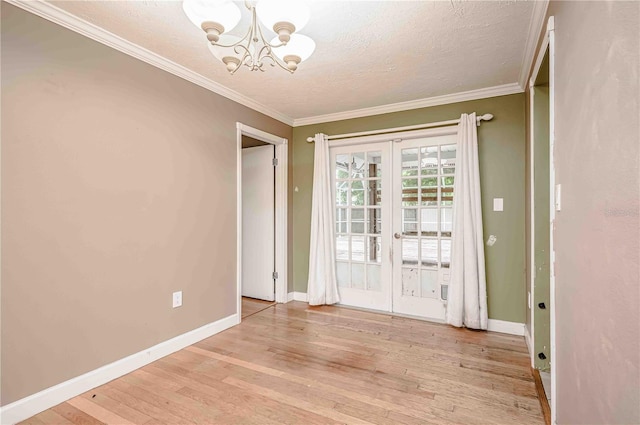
x=369, y=53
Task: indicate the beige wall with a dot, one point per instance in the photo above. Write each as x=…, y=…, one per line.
x=596, y=235
x=118, y=188
x=502, y=174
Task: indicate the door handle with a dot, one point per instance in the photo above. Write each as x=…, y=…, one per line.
x=397, y=235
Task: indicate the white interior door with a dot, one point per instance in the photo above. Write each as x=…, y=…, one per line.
x=258, y=225
x=423, y=174
x=361, y=175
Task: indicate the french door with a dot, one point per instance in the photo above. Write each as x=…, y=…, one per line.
x=393, y=217
x=362, y=180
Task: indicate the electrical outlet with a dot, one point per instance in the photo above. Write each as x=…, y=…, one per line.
x=177, y=299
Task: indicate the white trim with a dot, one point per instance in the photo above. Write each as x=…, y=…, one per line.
x=535, y=28
x=281, y=145
x=484, y=93
x=61, y=17
x=40, y=401
x=527, y=340
x=502, y=326
x=290, y=296
x=532, y=219
x=300, y=296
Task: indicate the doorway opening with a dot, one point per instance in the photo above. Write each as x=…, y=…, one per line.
x=541, y=297
x=261, y=220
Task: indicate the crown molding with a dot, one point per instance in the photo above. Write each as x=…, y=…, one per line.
x=61, y=17
x=502, y=90
x=535, y=28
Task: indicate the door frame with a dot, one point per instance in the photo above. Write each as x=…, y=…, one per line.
x=281, y=204
x=548, y=42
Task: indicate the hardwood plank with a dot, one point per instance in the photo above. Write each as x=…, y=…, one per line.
x=98, y=412
x=74, y=415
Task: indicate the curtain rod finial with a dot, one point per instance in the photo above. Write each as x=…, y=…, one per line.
x=486, y=117
x=309, y=139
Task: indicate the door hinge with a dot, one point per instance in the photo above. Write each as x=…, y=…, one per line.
x=275, y=275
x=275, y=162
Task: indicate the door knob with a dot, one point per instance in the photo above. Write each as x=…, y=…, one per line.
x=397, y=235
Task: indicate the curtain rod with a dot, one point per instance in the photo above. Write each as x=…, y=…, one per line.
x=485, y=117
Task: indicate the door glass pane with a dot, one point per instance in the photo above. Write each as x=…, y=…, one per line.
x=429, y=221
x=446, y=196
x=445, y=252
x=429, y=283
x=429, y=254
x=342, y=247
x=446, y=221
x=342, y=166
x=374, y=249
x=447, y=181
x=342, y=274
x=357, y=248
x=410, y=162
x=358, y=166
x=357, y=275
x=357, y=220
x=342, y=193
x=410, y=284
x=373, y=277
x=375, y=192
x=357, y=192
x=448, y=159
x=375, y=221
x=341, y=220
x=429, y=160
x=429, y=191
x=410, y=251
x=409, y=192
x=375, y=164
x=409, y=221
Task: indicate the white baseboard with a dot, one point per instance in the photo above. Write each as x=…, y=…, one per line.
x=300, y=296
x=45, y=399
x=290, y=296
x=527, y=339
x=512, y=328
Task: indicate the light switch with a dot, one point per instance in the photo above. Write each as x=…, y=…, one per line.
x=498, y=204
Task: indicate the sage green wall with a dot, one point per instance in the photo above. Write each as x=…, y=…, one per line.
x=502, y=175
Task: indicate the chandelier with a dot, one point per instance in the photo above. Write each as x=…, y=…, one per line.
x=284, y=17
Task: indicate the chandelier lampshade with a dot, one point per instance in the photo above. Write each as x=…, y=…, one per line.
x=213, y=16
x=298, y=49
x=277, y=15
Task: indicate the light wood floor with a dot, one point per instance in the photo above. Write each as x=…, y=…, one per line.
x=251, y=306
x=322, y=365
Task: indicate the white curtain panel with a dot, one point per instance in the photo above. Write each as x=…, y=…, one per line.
x=322, y=287
x=467, y=300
